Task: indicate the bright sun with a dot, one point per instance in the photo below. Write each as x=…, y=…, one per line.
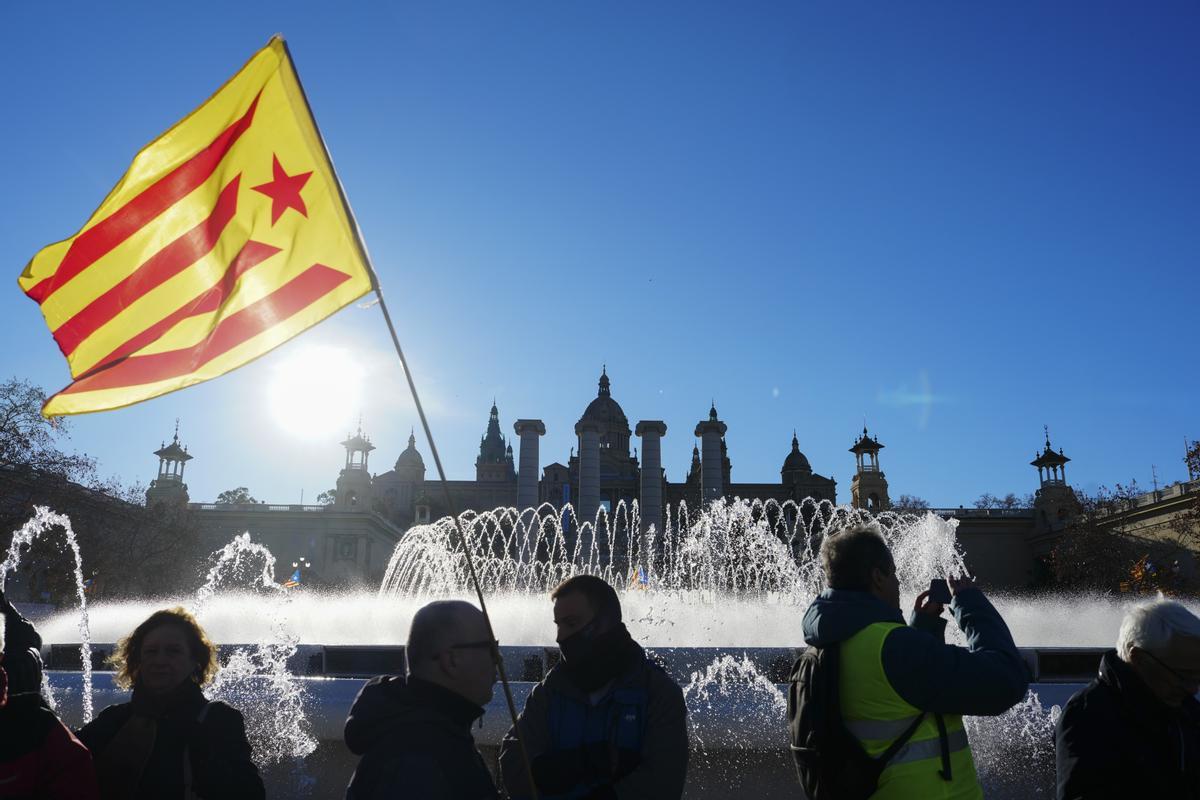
x=315, y=392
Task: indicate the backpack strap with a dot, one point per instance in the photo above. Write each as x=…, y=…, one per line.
x=944, y=738
x=896, y=746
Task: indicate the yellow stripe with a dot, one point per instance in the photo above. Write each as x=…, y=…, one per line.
x=107, y=399
x=127, y=257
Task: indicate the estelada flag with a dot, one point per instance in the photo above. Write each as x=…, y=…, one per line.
x=228, y=236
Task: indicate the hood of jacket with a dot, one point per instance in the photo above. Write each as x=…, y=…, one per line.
x=838, y=614
x=389, y=707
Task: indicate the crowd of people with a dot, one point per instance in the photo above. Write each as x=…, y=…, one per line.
x=875, y=709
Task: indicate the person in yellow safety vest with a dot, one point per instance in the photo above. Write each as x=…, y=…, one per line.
x=892, y=673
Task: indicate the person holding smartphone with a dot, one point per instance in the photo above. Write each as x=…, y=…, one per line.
x=900, y=680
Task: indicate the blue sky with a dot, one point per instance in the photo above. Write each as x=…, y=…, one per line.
x=957, y=221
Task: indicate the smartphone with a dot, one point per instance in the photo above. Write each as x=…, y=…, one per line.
x=939, y=591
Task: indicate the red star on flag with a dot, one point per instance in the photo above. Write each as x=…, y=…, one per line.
x=284, y=191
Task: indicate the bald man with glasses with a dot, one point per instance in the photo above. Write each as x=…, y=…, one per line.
x=1135, y=730
x=413, y=731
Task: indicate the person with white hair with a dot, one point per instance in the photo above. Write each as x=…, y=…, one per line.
x=1134, y=731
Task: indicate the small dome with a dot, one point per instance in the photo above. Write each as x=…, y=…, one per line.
x=604, y=409
x=796, y=461
x=410, y=457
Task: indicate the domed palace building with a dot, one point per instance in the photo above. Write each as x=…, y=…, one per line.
x=600, y=473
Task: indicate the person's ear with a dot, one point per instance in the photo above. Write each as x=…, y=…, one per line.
x=448, y=661
x=878, y=579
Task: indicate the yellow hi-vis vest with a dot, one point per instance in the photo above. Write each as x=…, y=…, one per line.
x=877, y=716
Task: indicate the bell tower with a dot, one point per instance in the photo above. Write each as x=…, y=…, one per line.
x=1055, y=502
x=869, y=488
x=168, y=488
x=354, y=482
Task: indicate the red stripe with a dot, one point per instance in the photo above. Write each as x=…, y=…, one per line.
x=102, y=237
x=252, y=254
x=154, y=272
x=286, y=301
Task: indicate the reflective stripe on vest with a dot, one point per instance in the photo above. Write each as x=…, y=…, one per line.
x=619, y=720
x=877, y=716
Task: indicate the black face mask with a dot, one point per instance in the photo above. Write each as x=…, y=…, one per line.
x=593, y=659
x=580, y=646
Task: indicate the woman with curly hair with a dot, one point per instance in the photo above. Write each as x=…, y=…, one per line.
x=169, y=742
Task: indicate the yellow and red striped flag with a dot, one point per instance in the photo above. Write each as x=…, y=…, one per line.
x=228, y=236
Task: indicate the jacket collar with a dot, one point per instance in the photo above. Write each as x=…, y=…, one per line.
x=632, y=675
x=1136, y=696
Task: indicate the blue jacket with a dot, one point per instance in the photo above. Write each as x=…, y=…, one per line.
x=658, y=771
x=985, y=678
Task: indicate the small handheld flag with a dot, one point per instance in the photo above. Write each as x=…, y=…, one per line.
x=228, y=236
x=293, y=581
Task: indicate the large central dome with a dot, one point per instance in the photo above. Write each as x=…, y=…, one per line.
x=604, y=410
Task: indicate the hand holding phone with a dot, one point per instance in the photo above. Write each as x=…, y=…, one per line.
x=939, y=591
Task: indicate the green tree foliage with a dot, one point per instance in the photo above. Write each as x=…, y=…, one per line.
x=233, y=497
x=327, y=497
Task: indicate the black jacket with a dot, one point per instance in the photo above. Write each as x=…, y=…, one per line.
x=1116, y=740
x=222, y=768
x=415, y=741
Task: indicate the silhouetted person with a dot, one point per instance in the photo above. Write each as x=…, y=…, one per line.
x=39, y=757
x=607, y=722
x=1134, y=731
x=169, y=742
x=414, y=732
x=890, y=674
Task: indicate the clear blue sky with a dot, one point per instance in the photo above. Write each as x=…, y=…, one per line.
x=960, y=221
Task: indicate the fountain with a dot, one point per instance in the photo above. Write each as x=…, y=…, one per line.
x=718, y=604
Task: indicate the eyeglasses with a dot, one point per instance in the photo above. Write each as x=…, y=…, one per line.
x=1190, y=679
x=482, y=643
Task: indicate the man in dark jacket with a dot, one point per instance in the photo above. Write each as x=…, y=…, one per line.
x=607, y=722
x=1135, y=730
x=891, y=675
x=39, y=757
x=414, y=732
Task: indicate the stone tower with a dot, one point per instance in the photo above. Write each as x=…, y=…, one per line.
x=712, y=458
x=495, y=461
x=869, y=488
x=1055, y=502
x=353, y=488
x=168, y=488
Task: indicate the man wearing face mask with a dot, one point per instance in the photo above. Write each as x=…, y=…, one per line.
x=607, y=722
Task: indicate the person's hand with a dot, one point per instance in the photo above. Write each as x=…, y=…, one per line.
x=960, y=582
x=924, y=606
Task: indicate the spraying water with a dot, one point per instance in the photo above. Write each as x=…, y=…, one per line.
x=255, y=679
x=43, y=521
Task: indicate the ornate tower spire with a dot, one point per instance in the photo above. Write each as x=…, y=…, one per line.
x=604, y=390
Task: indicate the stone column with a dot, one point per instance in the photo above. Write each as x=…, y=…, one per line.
x=651, y=432
x=589, y=472
x=527, y=472
x=710, y=432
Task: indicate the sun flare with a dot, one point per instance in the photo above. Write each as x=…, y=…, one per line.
x=316, y=392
